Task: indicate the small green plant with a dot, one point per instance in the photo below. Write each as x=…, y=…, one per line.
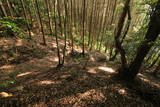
x=13, y=74
x=7, y=83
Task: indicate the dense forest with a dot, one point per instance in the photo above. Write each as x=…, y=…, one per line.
x=80, y=53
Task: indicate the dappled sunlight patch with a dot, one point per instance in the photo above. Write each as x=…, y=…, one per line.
x=77, y=49
x=141, y=75
x=92, y=70
x=146, y=79
x=67, y=100
x=32, y=33
x=122, y=91
x=55, y=59
x=24, y=74
x=89, y=97
x=65, y=76
x=7, y=67
x=54, y=45
x=49, y=82
x=92, y=58
x=106, y=69
x=5, y=94
x=19, y=42
x=93, y=94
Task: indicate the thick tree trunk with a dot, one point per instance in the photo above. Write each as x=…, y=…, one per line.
x=151, y=35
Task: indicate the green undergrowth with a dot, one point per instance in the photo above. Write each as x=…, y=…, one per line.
x=11, y=80
x=12, y=27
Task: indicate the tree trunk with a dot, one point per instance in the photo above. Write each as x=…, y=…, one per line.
x=83, y=37
x=65, y=29
x=118, y=34
x=48, y=15
x=41, y=24
x=56, y=36
x=125, y=34
x=10, y=9
x=3, y=9
x=26, y=18
x=150, y=37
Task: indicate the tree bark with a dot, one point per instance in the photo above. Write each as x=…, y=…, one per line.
x=3, y=9
x=26, y=18
x=150, y=37
x=118, y=34
x=41, y=23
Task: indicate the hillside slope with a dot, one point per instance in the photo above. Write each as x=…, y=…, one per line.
x=29, y=77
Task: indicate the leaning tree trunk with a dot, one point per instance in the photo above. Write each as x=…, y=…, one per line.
x=143, y=50
x=10, y=9
x=124, y=36
x=118, y=34
x=3, y=9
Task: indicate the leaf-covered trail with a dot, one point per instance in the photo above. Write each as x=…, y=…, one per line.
x=82, y=82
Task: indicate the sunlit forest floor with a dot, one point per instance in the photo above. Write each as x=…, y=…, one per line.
x=28, y=77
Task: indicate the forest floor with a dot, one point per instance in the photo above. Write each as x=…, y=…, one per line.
x=28, y=77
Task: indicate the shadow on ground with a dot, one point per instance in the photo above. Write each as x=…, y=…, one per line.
x=75, y=85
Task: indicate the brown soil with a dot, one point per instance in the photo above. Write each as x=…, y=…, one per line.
x=34, y=80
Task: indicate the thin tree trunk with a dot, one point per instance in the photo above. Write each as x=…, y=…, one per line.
x=90, y=24
x=118, y=34
x=71, y=27
x=125, y=34
x=10, y=9
x=48, y=15
x=65, y=28
x=3, y=9
x=56, y=35
x=41, y=24
x=83, y=37
x=26, y=18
